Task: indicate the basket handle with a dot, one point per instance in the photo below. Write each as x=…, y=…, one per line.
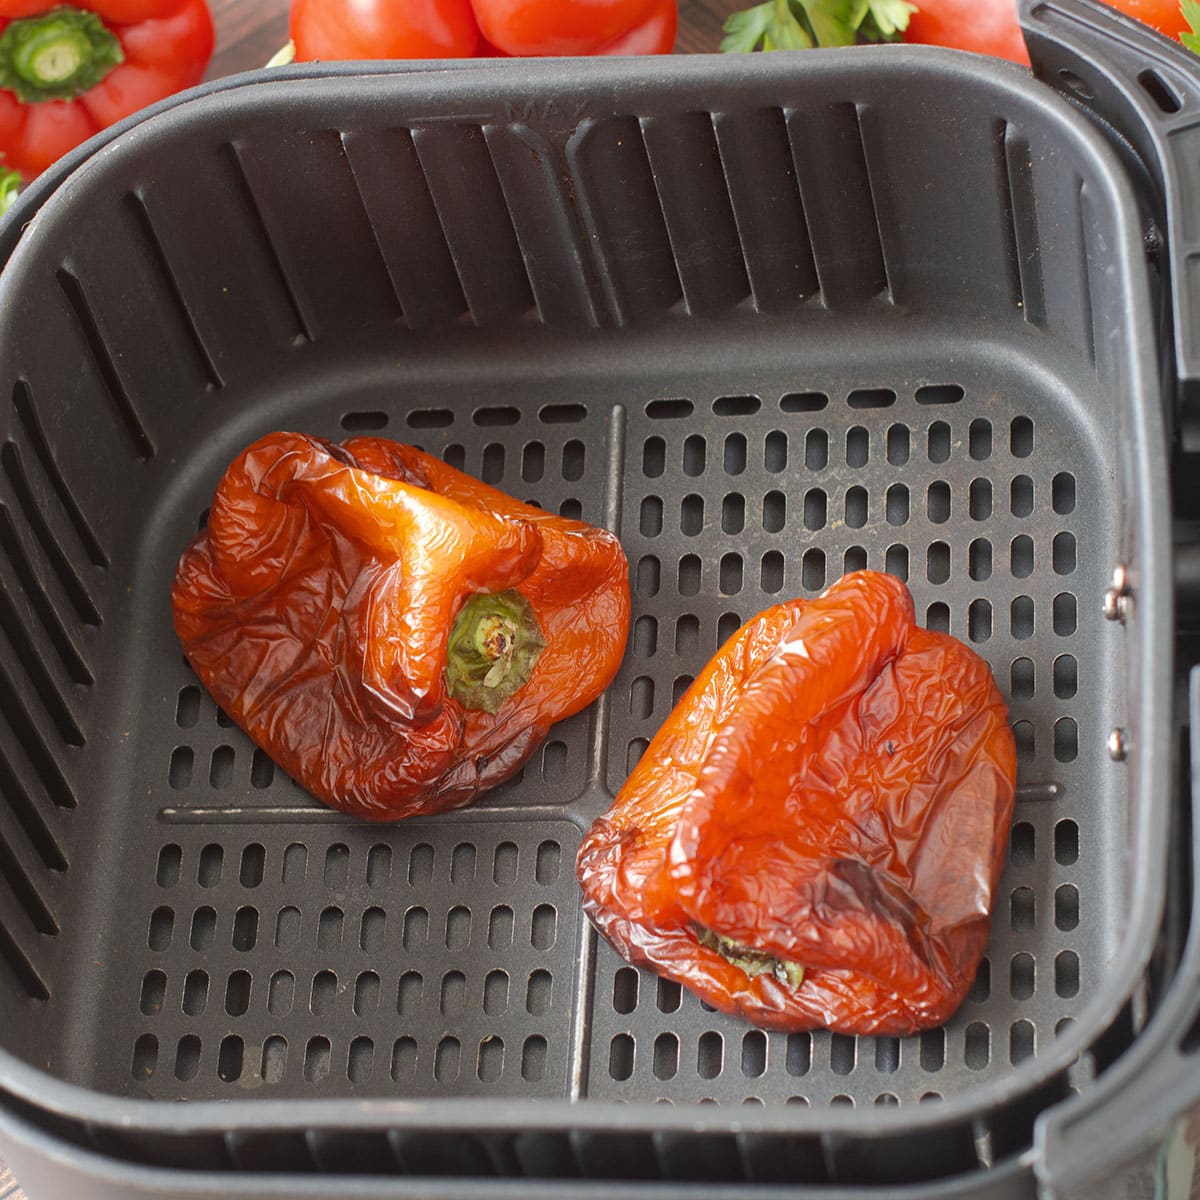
x=1143, y=89
x=1139, y=1123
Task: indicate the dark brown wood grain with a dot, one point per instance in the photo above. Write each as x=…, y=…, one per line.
x=250, y=31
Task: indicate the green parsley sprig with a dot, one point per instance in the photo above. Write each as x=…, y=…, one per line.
x=1191, y=14
x=804, y=24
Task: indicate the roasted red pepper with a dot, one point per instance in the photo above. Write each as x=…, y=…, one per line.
x=814, y=836
x=70, y=70
x=396, y=635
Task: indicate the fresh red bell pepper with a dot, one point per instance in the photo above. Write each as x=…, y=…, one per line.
x=69, y=70
x=815, y=835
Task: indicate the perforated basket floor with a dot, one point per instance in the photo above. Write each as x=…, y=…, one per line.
x=266, y=943
x=665, y=313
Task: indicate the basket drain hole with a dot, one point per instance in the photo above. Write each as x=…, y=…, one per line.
x=710, y=1055
x=237, y=993
x=666, y=1056
x=1021, y=976
x=1063, y=493
x=1066, y=974
x=1022, y=1041
x=937, y=563
x=410, y=993
x=287, y=928
x=145, y=1056
x=1066, y=907
x=1066, y=842
x=858, y=446
x=495, y=993
x=366, y=994
x=447, y=1060
x=979, y=439
x=803, y=402
x=816, y=450
x=317, y=1059
x=977, y=1046
x=187, y=709
x=195, y=992
x=939, y=443
x=979, y=560
x=162, y=927
x=775, y=451
x=945, y=393
x=229, y=1059
x=154, y=987
x=735, y=454
x=281, y=993
x=887, y=1055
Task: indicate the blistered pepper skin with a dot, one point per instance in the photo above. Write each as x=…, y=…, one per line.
x=317, y=604
x=835, y=791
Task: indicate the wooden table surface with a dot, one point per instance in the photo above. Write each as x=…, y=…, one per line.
x=249, y=32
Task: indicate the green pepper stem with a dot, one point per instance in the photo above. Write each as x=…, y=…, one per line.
x=57, y=55
x=746, y=958
x=494, y=645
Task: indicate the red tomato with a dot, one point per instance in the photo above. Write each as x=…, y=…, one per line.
x=654, y=34
x=990, y=26
x=542, y=27
x=485, y=49
x=337, y=29
x=984, y=26
x=1164, y=15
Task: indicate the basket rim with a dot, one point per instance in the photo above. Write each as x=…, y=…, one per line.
x=1152, y=630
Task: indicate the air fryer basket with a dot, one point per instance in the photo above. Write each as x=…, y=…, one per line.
x=891, y=311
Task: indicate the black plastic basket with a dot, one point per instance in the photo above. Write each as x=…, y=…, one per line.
x=1119, y=1136
x=770, y=319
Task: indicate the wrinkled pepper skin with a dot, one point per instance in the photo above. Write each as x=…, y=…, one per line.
x=835, y=791
x=317, y=607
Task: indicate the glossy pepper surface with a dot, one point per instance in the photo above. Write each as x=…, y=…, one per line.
x=396, y=635
x=69, y=70
x=815, y=835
